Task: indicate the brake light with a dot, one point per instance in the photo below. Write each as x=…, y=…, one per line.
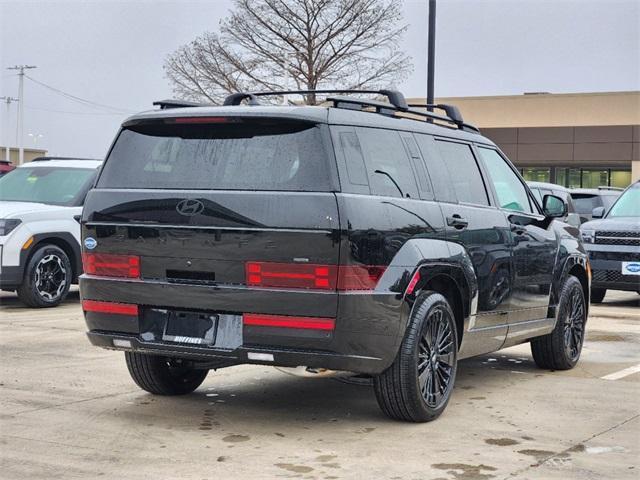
x=313, y=276
x=109, y=265
x=291, y=275
x=285, y=321
x=110, y=307
x=200, y=120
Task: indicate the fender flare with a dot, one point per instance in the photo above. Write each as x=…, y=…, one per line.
x=58, y=239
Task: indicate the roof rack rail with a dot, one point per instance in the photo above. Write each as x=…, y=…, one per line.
x=395, y=97
x=165, y=104
x=397, y=103
x=47, y=159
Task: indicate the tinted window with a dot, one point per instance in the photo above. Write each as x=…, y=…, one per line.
x=511, y=192
x=387, y=162
x=353, y=158
x=51, y=185
x=464, y=172
x=242, y=156
x=536, y=193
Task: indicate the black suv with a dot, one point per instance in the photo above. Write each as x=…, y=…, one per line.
x=361, y=236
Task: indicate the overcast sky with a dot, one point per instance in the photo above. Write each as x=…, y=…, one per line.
x=111, y=53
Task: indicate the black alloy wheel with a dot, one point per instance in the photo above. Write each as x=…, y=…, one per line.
x=436, y=358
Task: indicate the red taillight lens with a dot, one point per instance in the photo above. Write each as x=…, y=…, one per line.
x=313, y=276
x=285, y=321
x=359, y=277
x=109, y=265
x=291, y=275
x=110, y=307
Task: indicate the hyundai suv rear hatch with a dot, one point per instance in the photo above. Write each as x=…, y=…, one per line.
x=241, y=204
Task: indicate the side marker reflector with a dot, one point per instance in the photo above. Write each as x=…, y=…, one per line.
x=285, y=321
x=110, y=307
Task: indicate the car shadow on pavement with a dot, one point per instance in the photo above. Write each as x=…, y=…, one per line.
x=274, y=400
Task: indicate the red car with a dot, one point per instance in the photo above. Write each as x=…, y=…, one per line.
x=6, y=167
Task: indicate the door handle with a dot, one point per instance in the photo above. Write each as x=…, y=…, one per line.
x=457, y=222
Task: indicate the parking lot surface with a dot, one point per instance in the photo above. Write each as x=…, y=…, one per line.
x=70, y=410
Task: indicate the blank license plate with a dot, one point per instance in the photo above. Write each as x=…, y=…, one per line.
x=191, y=327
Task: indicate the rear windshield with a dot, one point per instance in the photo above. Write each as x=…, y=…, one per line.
x=239, y=156
x=585, y=203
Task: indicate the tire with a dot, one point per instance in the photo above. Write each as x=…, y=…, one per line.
x=401, y=392
x=163, y=375
x=47, y=278
x=597, y=295
x=560, y=349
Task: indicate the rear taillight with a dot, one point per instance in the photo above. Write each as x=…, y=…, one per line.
x=291, y=275
x=312, y=276
x=110, y=265
x=359, y=277
x=285, y=321
x=110, y=307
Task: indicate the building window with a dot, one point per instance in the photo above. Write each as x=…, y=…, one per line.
x=620, y=178
x=531, y=174
x=591, y=177
x=595, y=178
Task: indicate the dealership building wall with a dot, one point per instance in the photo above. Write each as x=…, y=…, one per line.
x=581, y=139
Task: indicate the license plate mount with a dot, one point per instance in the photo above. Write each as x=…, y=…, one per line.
x=192, y=328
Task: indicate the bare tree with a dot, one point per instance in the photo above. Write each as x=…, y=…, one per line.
x=294, y=44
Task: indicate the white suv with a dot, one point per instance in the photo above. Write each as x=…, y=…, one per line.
x=39, y=232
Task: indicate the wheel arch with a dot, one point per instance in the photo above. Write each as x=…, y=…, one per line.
x=575, y=265
x=63, y=240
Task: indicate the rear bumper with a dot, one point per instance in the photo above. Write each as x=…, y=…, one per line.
x=365, y=339
x=283, y=357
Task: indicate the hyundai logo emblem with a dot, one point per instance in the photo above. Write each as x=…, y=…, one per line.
x=189, y=207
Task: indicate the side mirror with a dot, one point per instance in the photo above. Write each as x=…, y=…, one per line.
x=597, y=212
x=553, y=207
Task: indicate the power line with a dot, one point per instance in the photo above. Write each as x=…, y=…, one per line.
x=72, y=113
x=79, y=99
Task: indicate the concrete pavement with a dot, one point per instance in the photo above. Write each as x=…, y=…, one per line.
x=70, y=410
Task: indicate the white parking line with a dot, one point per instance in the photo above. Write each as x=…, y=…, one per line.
x=622, y=373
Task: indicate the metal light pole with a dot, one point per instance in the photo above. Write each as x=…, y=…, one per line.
x=7, y=151
x=431, y=53
x=19, y=130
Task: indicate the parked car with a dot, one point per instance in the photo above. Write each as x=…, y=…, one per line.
x=40, y=205
x=540, y=189
x=613, y=243
x=586, y=199
x=342, y=237
x=5, y=167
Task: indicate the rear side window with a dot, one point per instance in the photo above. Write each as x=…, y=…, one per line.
x=388, y=166
x=464, y=172
x=239, y=156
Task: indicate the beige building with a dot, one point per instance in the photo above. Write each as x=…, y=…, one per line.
x=575, y=139
x=29, y=154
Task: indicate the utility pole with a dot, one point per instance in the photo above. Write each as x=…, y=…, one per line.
x=431, y=53
x=19, y=130
x=7, y=151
